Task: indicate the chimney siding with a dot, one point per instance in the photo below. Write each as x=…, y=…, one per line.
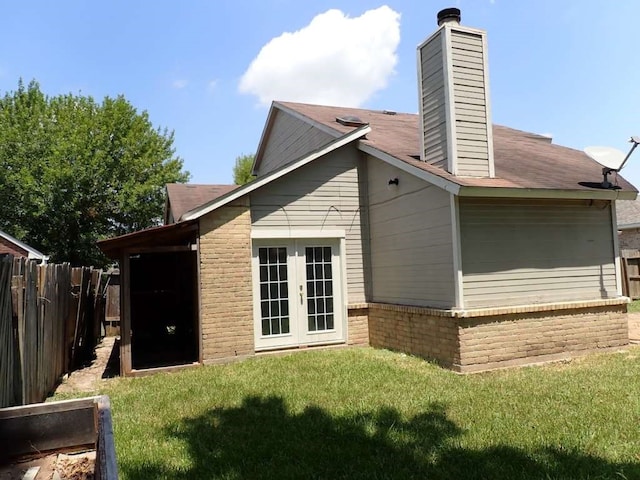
x=455, y=114
x=433, y=101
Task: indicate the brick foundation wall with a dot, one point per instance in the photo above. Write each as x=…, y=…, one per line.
x=414, y=330
x=485, y=339
x=226, y=295
x=358, y=325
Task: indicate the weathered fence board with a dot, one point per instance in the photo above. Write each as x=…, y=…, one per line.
x=630, y=273
x=50, y=321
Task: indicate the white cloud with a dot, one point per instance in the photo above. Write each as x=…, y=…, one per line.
x=334, y=60
x=180, y=83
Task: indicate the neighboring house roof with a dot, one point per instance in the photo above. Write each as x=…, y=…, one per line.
x=30, y=251
x=628, y=214
x=182, y=197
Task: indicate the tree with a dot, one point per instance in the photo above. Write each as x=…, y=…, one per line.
x=73, y=171
x=242, y=169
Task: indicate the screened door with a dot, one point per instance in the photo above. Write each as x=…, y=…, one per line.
x=298, y=293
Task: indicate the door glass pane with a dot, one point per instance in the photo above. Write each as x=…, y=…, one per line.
x=319, y=288
x=274, y=299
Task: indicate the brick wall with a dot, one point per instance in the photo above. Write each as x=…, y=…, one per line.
x=414, y=330
x=489, y=341
x=8, y=247
x=358, y=325
x=629, y=239
x=225, y=283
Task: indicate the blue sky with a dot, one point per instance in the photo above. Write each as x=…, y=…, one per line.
x=566, y=68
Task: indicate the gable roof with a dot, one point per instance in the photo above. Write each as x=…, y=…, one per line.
x=524, y=162
x=31, y=252
x=628, y=214
x=182, y=197
x=346, y=138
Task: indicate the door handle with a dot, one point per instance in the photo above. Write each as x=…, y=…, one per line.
x=301, y=296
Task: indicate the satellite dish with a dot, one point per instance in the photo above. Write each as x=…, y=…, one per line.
x=611, y=159
x=608, y=157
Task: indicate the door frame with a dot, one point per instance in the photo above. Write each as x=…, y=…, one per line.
x=290, y=237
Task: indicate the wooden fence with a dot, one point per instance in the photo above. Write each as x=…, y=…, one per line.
x=630, y=263
x=50, y=319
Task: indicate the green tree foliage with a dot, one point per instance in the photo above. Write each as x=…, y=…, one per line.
x=242, y=169
x=73, y=171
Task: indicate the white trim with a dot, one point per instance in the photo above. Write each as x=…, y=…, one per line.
x=443, y=183
x=263, y=136
x=271, y=176
x=343, y=289
x=33, y=253
x=629, y=226
x=506, y=192
x=420, y=100
x=449, y=102
x=275, y=234
x=616, y=248
x=456, y=241
x=487, y=104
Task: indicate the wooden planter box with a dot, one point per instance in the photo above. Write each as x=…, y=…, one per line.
x=32, y=432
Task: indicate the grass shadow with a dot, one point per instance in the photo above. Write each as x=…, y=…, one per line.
x=262, y=439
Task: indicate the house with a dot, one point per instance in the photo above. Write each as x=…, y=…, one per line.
x=10, y=244
x=439, y=235
x=628, y=218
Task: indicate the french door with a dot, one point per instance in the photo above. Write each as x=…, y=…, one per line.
x=298, y=292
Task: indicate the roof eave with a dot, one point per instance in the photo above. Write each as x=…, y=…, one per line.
x=506, y=192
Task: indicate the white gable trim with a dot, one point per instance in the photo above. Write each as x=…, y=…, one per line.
x=270, y=177
x=33, y=253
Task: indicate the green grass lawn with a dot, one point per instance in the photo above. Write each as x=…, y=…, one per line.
x=373, y=414
x=634, y=306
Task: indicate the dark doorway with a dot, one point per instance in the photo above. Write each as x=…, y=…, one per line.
x=164, y=313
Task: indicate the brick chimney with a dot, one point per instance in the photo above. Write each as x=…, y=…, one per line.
x=453, y=84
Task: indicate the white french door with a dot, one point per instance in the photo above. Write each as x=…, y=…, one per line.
x=298, y=296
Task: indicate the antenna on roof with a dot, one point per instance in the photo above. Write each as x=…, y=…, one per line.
x=611, y=159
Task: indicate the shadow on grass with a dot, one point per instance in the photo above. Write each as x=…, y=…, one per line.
x=261, y=439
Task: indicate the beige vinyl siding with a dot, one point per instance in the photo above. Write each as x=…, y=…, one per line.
x=470, y=104
x=432, y=107
x=322, y=195
x=411, y=239
x=524, y=252
x=289, y=139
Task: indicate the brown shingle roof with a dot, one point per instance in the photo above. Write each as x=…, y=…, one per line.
x=187, y=196
x=522, y=160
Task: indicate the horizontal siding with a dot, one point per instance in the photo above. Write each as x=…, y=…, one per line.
x=535, y=252
x=470, y=104
x=411, y=239
x=288, y=140
x=432, y=107
x=321, y=195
